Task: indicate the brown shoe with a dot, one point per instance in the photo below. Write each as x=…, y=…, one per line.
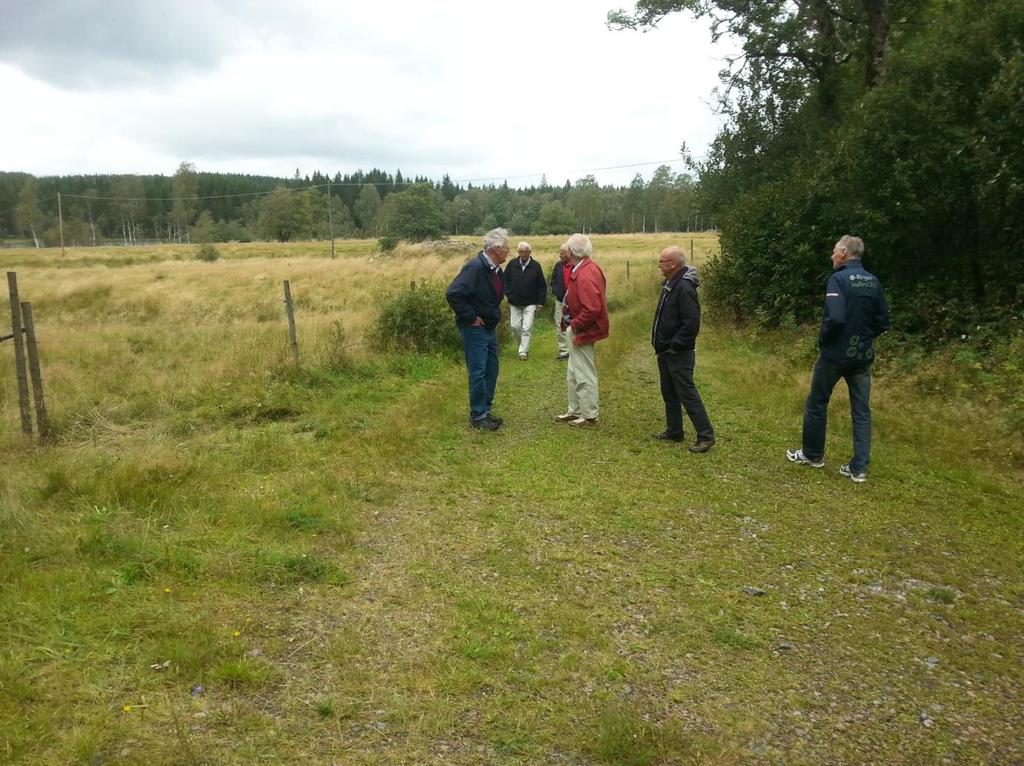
x=702, y=445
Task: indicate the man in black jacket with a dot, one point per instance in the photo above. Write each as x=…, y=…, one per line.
x=526, y=291
x=475, y=297
x=674, y=337
x=856, y=313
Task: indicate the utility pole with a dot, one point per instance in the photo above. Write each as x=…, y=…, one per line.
x=330, y=216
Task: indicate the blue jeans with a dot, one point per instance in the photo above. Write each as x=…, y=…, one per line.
x=481, y=348
x=858, y=381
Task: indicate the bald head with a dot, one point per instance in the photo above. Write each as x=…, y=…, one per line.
x=671, y=261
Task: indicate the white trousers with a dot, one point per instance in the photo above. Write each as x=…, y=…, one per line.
x=563, y=343
x=521, y=320
x=581, y=378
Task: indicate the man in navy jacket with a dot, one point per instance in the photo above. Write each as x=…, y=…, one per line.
x=855, y=314
x=475, y=297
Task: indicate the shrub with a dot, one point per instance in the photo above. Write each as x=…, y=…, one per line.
x=417, y=319
x=387, y=243
x=207, y=253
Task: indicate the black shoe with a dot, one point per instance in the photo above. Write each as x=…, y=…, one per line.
x=665, y=436
x=485, y=423
x=702, y=445
x=495, y=418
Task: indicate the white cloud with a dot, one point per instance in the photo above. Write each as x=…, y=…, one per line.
x=477, y=90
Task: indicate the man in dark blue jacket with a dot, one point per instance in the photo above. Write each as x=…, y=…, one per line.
x=855, y=314
x=475, y=297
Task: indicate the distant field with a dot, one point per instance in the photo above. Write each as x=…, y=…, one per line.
x=124, y=329
x=225, y=558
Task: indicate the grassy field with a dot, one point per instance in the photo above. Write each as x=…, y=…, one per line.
x=223, y=558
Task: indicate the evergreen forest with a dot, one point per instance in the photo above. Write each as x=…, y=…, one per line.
x=193, y=206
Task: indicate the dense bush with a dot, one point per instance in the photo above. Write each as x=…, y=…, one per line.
x=207, y=253
x=417, y=319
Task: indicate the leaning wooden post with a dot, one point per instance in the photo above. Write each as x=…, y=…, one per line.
x=289, y=310
x=35, y=370
x=19, y=354
x=627, y=271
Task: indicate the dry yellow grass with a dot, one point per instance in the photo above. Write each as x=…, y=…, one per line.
x=122, y=326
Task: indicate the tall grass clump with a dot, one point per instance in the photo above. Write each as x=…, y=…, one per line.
x=207, y=253
x=417, y=319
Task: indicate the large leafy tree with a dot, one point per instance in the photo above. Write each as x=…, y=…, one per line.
x=286, y=215
x=414, y=214
x=890, y=119
x=555, y=218
x=366, y=207
x=129, y=206
x=28, y=215
x=788, y=45
x=184, y=189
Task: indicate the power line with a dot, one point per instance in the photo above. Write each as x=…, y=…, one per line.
x=212, y=196
x=573, y=172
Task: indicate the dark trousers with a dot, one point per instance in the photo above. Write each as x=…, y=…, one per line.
x=858, y=381
x=481, y=348
x=679, y=392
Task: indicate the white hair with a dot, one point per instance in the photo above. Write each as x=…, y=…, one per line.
x=524, y=246
x=495, y=238
x=579, y=246
x=852, y=245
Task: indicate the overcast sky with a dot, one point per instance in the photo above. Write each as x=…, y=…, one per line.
x=481, y=90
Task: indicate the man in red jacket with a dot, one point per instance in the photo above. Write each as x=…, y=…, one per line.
x=585, y=321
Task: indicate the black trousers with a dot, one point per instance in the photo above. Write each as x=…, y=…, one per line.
x=679, y=393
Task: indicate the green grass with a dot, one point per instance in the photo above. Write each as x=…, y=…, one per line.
x=351, y=574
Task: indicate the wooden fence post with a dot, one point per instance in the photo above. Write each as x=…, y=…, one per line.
x=19, y=354
x=36, y=371
x=289, y=310
x=627, y=271
x=691, y=251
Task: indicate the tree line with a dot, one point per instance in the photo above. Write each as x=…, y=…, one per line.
x=193, y=206
x=900, y=121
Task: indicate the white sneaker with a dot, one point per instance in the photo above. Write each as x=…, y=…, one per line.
x=797, y=456
x=860, y=478
x=578, y=422
x=523, y=356
x=567, y=417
